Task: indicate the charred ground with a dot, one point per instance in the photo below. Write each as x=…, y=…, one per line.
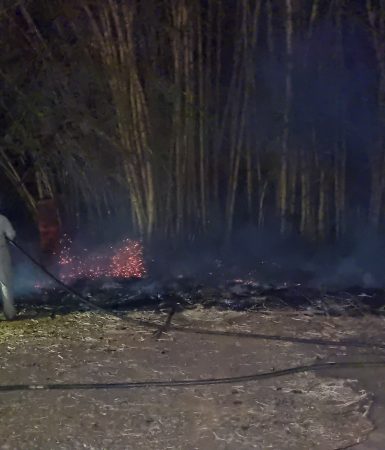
x=237, y=327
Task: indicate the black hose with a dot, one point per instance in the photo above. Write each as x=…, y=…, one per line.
x=196, y=382
x=267, y=337
x=69, y=289
x=179, y=383
x=152, y=325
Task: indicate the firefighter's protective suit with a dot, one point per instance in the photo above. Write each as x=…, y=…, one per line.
x=6, y=230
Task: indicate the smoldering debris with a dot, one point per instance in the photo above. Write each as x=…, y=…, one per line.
x=182, y=293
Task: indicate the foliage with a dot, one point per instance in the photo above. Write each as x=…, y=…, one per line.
x=191, y=116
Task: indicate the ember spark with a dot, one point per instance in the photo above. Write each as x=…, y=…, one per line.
x=121, y=261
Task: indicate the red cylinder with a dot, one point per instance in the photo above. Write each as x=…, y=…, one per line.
x=49, y=226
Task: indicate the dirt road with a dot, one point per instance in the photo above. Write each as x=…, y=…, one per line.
x=332, y=410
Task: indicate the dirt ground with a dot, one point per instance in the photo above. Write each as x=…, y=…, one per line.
x=336, y=409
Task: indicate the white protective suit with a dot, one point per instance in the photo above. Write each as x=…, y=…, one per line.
x=6, y=230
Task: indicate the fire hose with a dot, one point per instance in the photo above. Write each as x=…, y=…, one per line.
x=195, y=382
x=188, y=382
x=57, y=280
x=149, y=324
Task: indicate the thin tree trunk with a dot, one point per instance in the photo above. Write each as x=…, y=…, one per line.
x=283, y=187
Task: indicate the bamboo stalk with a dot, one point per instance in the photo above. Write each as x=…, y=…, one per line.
x=286, y=117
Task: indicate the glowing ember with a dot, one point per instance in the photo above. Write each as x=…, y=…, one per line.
x=128, y=262
x=123, y=261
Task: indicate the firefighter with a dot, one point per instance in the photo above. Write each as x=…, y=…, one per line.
x=6, y=231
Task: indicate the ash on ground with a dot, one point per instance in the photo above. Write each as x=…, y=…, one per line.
x=251, y=326
x=182, y=293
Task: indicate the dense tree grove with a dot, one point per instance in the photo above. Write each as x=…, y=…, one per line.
x=196, y=116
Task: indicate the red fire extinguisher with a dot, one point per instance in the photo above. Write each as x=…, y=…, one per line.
x=49, y=226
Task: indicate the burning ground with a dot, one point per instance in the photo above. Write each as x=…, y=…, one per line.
x=57, y=341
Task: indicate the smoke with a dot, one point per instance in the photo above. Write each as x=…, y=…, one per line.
x=267, y=257
x=333, y=96
x=262, y=256
x=27, y=278
x=359, y=261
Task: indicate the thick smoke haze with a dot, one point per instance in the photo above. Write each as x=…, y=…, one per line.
x=262, y=156
x=251, y=254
